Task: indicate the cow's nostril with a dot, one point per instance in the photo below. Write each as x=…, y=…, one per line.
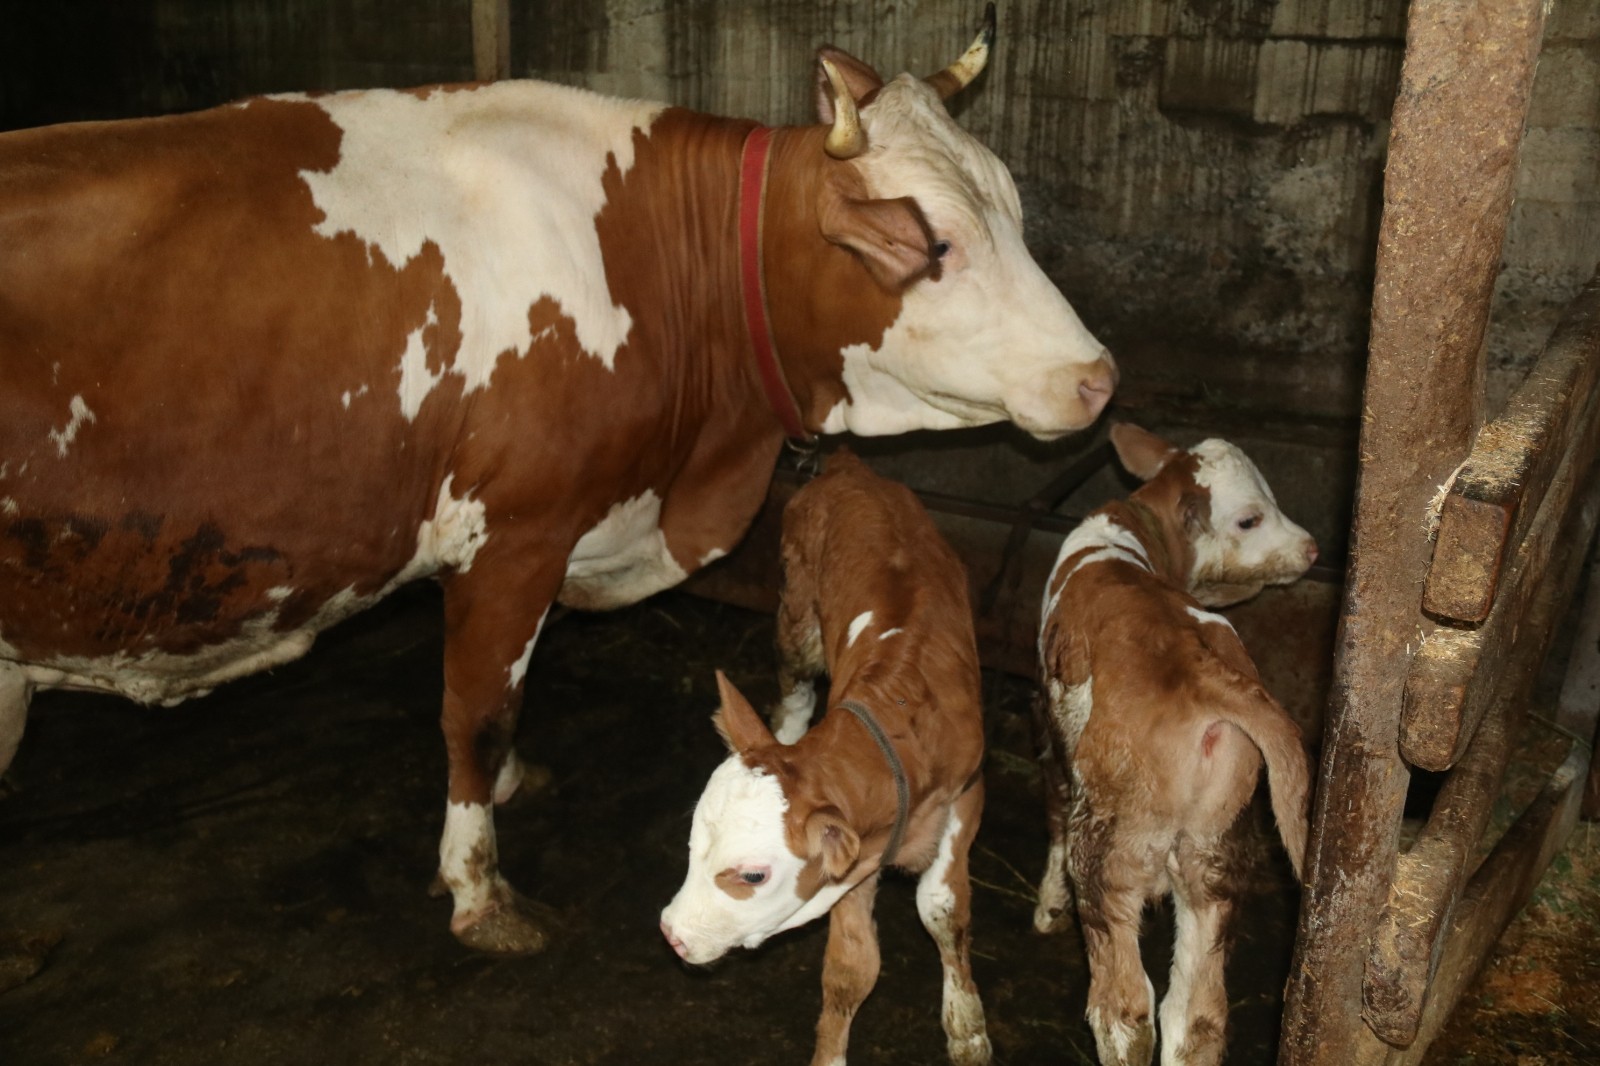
x=1095, y=394
x=1311, y=554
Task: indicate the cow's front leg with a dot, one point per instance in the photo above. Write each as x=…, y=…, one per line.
x=849, y=970
x=944, y=902
x=493, y=615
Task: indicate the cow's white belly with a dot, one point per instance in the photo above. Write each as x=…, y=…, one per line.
x=165, y=677
x=451, y=536
x=623, y=559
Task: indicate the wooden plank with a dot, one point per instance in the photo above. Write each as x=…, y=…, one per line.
x=1499, y=889
x=1494, y=497
x=1428, y=881
x=1463, y=96
x=1445, y=694
x=491, y=39
x=1430, y=877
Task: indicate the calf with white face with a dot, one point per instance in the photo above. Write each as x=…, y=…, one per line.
x=753, y=870
x=890, y=775
x=1157, y=729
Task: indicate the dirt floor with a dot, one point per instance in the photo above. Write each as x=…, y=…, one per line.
x=242, y=879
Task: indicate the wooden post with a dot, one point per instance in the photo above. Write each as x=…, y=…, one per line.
x=491, y=39
x=1457, y=127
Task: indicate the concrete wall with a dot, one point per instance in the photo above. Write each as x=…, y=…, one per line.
x=1202, y=177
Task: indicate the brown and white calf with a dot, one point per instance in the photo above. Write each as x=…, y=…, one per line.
x=1158, y=727
x=797, y=825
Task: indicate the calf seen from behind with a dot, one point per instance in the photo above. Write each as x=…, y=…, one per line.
x=1157, y=728
x=797, y=825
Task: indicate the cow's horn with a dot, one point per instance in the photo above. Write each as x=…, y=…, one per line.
x=846, y=140
x=959, y=75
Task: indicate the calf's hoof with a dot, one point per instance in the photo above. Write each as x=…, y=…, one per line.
x=511, y=925
x=970, y=1051
x=1050, y=917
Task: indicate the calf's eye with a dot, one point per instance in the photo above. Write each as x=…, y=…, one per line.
x=753, y=877
x=1250, y=523
x=941, y=249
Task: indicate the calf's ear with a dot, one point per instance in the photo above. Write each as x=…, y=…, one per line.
x=1196, y=510
x=738, y=723
x=1142, y=453
x=831, y=840
x=891, y=237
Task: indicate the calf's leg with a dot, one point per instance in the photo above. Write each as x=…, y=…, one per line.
x=849, y=970
x=1194, y=1012
x=800, y=655
x=944, y=902
x=1111, y=888
x=1050, y=913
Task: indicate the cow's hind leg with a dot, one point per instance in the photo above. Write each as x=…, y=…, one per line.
x=1194, y=1012
x=849, y=970
x=944, y=902
x=493, y=614
x=15, y=692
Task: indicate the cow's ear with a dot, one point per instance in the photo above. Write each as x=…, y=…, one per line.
x=832, y=842
x=860, y=79
x=891, y=237
x=741, y=727
x=1142, y=453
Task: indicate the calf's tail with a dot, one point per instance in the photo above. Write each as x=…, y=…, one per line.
x=1244, y=703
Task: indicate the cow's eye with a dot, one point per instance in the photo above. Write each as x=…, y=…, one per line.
x=1250, y=523
x=753, y=877
x=941, y=249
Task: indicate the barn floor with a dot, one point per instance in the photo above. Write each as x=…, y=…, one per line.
x=242, y=879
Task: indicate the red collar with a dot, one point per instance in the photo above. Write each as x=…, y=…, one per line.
x=753, y=282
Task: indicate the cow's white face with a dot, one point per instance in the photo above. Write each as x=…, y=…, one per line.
x=991, y=338
x=1249, y=543
x=744, y=882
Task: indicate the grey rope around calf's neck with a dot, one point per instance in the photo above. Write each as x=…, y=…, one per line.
x=902, y=790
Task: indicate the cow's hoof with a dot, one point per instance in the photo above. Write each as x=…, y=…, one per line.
x=512, y=925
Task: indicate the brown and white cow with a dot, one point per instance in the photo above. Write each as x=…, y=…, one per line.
x=261, y=365
x=1158, y=727
x=797, y=825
